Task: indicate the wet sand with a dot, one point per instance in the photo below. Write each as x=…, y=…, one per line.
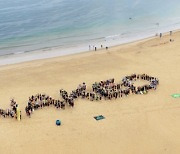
x=136, y=124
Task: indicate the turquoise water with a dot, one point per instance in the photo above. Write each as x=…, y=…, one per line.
x=27, y=25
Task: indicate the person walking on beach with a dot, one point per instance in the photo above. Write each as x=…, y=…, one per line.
x=160, y=35
x=95, y=48
x=89, y=47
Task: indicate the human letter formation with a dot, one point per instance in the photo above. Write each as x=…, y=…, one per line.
x=103, y=90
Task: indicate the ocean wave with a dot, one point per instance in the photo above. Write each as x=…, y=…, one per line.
x=17, y=53
x=40, y=25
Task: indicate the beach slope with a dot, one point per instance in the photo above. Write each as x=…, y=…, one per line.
x=135, y=124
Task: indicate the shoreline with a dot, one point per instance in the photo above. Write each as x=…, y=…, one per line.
x=29, y=56
x=137, y=124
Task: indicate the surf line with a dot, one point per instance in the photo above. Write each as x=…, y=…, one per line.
x=107, y=90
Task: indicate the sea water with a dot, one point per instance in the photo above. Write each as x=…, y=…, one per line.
x=28, y=25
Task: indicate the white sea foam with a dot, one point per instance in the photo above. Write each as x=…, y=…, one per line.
x=71, y=26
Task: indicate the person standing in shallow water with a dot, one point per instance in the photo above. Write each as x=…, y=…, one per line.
x=93, y=47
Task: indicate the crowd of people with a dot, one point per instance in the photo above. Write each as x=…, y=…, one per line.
x=107, y=90
x=69, y=99
x=12, y=112
x=40, y=101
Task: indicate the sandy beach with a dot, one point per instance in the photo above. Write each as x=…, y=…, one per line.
x=137, y=124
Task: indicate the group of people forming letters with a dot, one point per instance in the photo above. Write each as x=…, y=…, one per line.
x=106, y=90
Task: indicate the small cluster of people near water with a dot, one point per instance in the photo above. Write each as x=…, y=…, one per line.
x=95, y=48
x=170, y=33
x=106, y=90
x=12, y=112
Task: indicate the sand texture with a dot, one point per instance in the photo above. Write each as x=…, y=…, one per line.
x=138, y=124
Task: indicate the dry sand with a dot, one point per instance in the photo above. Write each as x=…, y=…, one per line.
x=138, y=124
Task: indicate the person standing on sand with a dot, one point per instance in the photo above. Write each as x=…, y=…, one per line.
x=95, y=48
x=170, y=32
x=160, y=35
x=20, y=115
x=171, y=40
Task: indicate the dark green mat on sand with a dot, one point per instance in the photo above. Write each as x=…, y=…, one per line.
x=176, y=95
x=100, y=117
